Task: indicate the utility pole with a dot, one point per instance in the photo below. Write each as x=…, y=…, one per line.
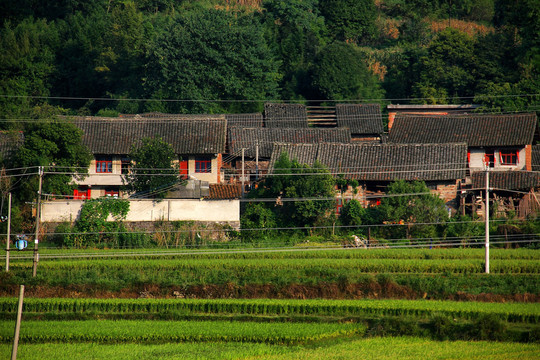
x=38, y=214
x=487, y=219
x=17, y=325
x=8, y=232
x=243, y=172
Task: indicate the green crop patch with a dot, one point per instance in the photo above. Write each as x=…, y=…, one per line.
x=127, y=331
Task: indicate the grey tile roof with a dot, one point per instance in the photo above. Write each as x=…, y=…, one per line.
x=474, y=129
x=245, y=120
x=285, y=115
x=159, y=115
x=187, y=136
x=510, y=180
x=266, y=137
x=360, y=118
x=10, y=142
x=535, y=161
x=383, y=162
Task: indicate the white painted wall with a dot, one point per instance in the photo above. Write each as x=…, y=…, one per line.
x=476, y=162
x=149, y=210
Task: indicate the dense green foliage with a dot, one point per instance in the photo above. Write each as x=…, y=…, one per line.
x=316, y=187
x=220, y=56
x=93, y=226
x=153, y=170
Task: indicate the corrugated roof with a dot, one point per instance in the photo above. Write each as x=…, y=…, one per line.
x=285, y=116
x=187, y=136
x=475, y=129
x=383, y=162
x=247, y=138
x=510, y=180
x=365, y=119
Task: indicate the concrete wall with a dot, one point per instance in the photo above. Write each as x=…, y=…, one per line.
x=149, y=210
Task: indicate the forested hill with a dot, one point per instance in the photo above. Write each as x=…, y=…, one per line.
x=85, y=56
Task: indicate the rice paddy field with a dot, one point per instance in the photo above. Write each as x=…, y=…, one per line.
x=316, y=304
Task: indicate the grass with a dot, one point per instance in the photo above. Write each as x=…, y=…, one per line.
x=370, y=348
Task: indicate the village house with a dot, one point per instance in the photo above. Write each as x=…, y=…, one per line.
x=441, y=166
x=502, y=144
x=199, y=142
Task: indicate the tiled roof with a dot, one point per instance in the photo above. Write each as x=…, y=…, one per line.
x=161, y=116
x=475, y=129
x=244, y=120
x=511, y=180
x=285, y=116
x=225, y=191
x=535, y=161
x=383, y=162
x=266, y=137
x=360, y=118
x=187, y=136
x=10, y=142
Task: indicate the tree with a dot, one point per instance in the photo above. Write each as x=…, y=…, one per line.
x=208, y=54
x=412, y=204
x=153, y=170
x=340, y=74
x=350, y=19
x=296, y=30
x=56, y=145
x=26, y=66
x=446, y=70
x=314, y=192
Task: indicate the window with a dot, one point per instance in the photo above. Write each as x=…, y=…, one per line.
x=126, y=164
x=203, y=165
x=509, y=157
x=111, y=192
x=340, y=203
x=489, y=158
x=104, y=164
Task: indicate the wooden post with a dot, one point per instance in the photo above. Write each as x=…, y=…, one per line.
x=257, y=161
x=487, y=219
x=18, y=325
x=38, y=215
x=8, y=232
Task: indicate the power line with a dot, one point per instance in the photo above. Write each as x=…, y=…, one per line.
x=263, y=250
x=256, y=100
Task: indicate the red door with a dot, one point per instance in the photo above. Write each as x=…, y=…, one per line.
x=184, y=169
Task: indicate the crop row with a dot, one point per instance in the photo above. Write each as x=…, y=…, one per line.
x=513, y=312
x=105, y=331
x=320, y=266
x=339, y=253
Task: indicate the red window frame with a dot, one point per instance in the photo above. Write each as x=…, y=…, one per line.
x=203, y=165
x=339, y=204
x=489, y=159
x=104, y=165
x=111, y=192
x=509, y=157
x=81, y=194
